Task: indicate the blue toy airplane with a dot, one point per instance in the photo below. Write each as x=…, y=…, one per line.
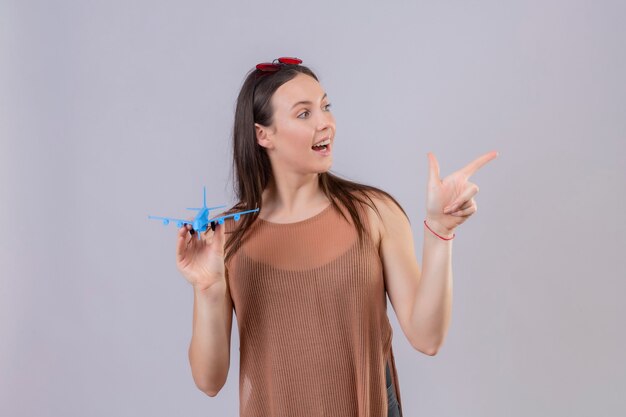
x=201, y=222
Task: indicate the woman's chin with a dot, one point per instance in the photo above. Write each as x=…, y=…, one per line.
x=326, y=168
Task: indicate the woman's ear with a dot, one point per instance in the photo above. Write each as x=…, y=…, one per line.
x=263, y=136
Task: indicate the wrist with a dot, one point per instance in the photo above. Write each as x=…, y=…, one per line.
x=439, y=229
x=216, y=289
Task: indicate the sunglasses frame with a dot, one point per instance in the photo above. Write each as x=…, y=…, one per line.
x=274, y=66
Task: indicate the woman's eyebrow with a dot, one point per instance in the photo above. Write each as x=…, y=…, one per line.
x=307, y=101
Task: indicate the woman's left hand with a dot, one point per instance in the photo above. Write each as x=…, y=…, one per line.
x=449, y=202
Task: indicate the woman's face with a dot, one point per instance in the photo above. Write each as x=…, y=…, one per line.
x=302, y=118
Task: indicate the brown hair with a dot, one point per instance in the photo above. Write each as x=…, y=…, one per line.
x=251, y=165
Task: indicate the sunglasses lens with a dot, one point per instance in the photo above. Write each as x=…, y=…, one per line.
x=289, y=60
x=267, y=66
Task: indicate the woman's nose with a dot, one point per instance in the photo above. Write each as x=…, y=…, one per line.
x=326, y=121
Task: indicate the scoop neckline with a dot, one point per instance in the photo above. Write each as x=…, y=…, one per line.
x=299, y=221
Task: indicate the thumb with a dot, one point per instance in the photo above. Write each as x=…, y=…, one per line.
x=219, y=235
x=433, y=168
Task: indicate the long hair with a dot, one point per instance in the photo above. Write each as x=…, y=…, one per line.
x=251, y=165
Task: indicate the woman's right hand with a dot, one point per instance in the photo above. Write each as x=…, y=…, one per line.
x=201, y=261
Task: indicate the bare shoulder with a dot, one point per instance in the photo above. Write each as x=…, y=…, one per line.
x=388, y=217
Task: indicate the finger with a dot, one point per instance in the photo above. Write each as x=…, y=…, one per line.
x=182, y=239
x=477, y=163
x=465, y=205
x=466, y=210
x=470, y=191
x=218, y=235
x=190, y=228
x=208, y=235
x=433, y=168
x=181, y=243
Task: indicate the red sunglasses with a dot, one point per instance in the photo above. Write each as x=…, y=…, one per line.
x=273, y=66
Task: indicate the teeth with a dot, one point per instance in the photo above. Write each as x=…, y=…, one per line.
x=324, y=142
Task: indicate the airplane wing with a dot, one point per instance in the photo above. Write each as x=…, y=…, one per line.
x=167, y=220
x=220, y=219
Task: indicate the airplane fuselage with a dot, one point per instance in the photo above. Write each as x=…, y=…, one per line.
x=200, y=223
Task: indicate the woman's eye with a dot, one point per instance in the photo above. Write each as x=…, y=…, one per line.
x=306, y=112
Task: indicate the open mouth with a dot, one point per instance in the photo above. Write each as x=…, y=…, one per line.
x=322, y=147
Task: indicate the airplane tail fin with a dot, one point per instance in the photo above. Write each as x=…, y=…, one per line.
x=204, y=203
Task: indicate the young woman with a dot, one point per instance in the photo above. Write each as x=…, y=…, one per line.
x=308, y=275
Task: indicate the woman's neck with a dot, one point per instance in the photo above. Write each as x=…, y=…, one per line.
x=292, y=198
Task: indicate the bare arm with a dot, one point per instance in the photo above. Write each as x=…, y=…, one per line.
x=209, y=350
x=432, y=309
x=422, y=300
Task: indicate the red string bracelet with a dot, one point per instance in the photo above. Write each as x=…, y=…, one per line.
x=441, y=237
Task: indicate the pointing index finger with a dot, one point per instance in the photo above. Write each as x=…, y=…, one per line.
x=477, y=163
